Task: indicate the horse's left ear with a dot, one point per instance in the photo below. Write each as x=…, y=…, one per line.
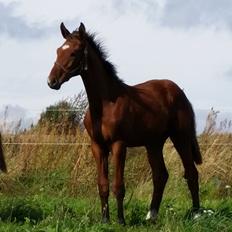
x=64, y=31
x=82, y=30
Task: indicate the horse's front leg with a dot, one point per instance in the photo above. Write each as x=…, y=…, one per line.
x=101, y=156
x=119, y=155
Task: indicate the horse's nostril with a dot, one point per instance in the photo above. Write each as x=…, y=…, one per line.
x=51, y=81
x=53, y=84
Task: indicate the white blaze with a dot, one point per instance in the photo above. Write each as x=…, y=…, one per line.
x=66, y=46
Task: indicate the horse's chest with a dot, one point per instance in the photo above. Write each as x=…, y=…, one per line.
x=106, y=127
x=109, y=128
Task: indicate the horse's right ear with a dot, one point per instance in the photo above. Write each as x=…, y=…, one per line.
x=82, y=30
x=64, y=31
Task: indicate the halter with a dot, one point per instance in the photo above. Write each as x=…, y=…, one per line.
x=80, y=67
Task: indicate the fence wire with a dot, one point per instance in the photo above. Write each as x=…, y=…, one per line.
x=48, y=144
x=88, y=144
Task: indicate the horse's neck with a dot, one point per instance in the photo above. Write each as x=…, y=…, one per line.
x=100, y=87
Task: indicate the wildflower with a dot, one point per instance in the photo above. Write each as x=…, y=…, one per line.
x=227, y=187
x=209, y=212
x=196, y=216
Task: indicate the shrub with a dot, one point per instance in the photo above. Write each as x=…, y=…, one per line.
x=65, y=116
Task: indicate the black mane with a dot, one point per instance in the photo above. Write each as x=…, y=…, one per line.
x=102, y=54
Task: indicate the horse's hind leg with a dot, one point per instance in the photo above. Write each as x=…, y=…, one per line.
x=159, y=177
x=184, y=148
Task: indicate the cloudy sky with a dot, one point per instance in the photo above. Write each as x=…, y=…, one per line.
x=187, y=41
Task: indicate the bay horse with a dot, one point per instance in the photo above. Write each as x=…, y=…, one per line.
x=121, y=116
x=2, y=159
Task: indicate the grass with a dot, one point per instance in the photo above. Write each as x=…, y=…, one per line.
x=40, y=200
x=46, y=212
x=52, y=187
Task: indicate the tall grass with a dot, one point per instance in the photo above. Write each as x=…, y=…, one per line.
x=37, y=151
x=48, y=167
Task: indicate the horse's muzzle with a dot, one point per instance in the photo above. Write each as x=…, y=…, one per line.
x=54, y=84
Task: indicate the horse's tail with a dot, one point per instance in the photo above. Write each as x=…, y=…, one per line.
x=195, y=146
x=2, y=159
x=196, y=151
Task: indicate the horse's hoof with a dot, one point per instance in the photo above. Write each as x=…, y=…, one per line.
x=121, y=221
x=152, y=216
x=105, y=220
x=194, y=213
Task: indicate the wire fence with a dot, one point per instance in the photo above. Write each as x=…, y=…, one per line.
x=47, y=144
x=88, y=144
x=76, y=109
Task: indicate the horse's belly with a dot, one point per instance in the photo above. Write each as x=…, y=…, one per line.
x=143, y=136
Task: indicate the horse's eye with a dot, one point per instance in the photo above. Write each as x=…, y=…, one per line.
x=73, y=54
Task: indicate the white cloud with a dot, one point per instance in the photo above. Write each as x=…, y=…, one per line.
x=17, y=27
x=145, y=39
x=191, y=13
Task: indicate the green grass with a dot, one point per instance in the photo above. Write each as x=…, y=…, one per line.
x=45, y=213
x=42, y=203
x=54, y=189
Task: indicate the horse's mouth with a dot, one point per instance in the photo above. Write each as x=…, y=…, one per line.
x=56, y=85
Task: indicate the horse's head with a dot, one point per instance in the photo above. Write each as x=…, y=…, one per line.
x=71, y=57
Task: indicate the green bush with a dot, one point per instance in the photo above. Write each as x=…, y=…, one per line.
x=65, y=116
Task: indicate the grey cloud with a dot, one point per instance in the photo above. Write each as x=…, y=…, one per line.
x=123, y=6
x=228, y=74
x=181, y=13
x=14, y=118
x=187, y=14
x=147, y=7
x=17, y=27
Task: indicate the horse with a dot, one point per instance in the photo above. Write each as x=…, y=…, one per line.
x=121, y=116
x=2, y=159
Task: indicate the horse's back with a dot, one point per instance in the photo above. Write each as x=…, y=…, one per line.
x=162, y=95
x=171, y=99
x=163, y=87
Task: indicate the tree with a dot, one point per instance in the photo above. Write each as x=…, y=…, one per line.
x=66, y=116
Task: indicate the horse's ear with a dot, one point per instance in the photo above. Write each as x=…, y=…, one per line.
x=64, y=31
x=82, y=30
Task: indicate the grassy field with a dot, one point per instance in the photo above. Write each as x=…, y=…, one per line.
x=51, y=186
x=46, y=212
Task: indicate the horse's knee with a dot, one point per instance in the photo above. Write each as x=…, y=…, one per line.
x=118, y=190
x=103, y=190
x=191, y=173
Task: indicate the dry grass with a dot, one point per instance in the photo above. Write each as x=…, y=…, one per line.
x=27, y=152
x=36, y=151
